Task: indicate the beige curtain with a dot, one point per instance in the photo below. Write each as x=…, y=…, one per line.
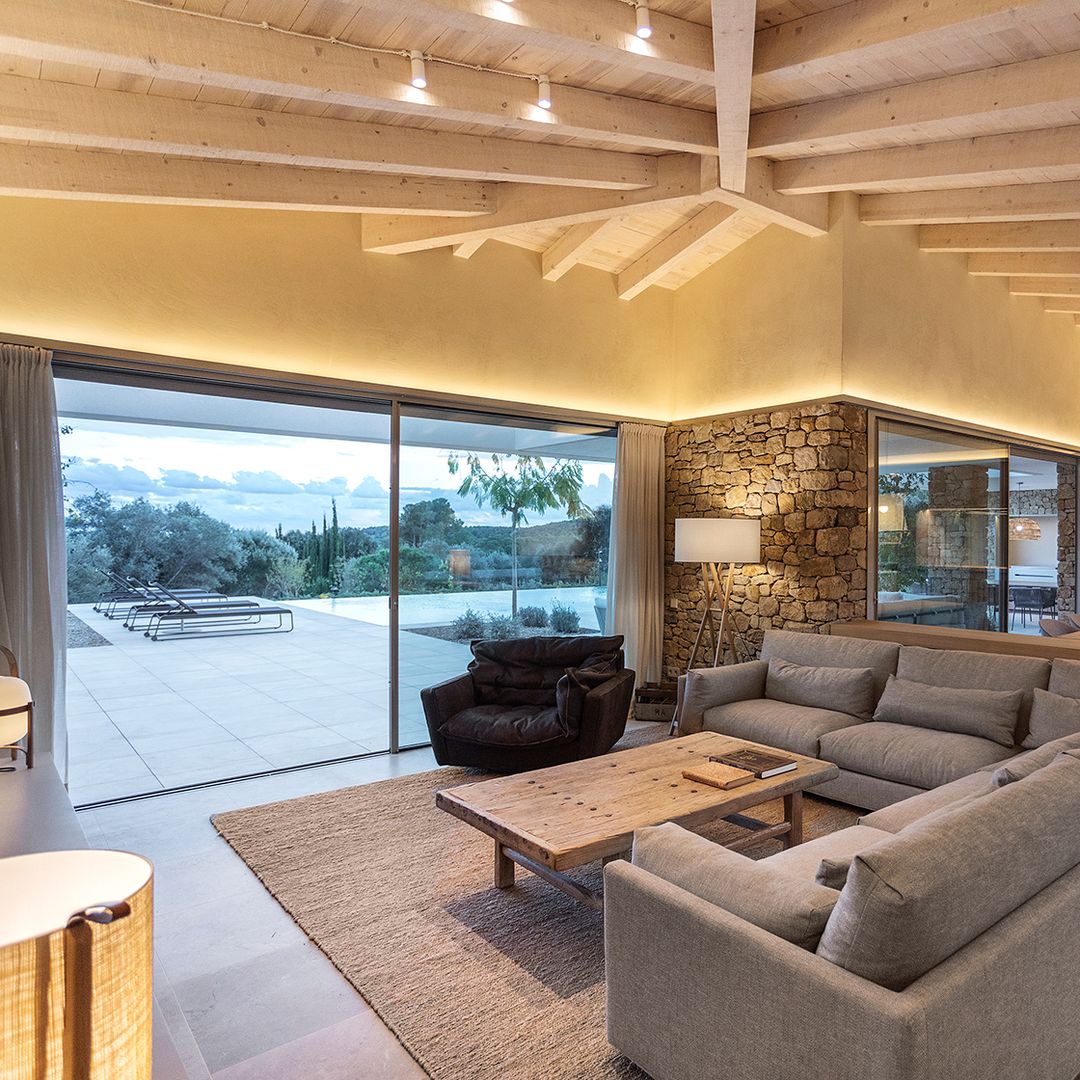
x=636, y=577
x=33, y=562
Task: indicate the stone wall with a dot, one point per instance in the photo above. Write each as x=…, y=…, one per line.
x=1066, y=512
x=803, y=471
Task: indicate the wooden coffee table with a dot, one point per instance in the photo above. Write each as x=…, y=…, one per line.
x=550, y=820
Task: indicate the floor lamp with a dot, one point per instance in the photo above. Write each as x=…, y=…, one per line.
x=713, y=542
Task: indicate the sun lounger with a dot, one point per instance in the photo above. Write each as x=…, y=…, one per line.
x=158, y=598
x=188, y=619
x=129, y=592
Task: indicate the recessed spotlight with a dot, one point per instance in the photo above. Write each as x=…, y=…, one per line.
x=419, y=72
x=543, y=97
x=644, y=25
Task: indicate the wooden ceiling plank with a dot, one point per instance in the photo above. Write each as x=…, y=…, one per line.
x=1025, y=264
x=865, y=30
x=674, y=249
x=733, y=61
x=469, y=248
x=1036, y=286
x=1012, y=97
x=109, y=119
x=804, y=214
x=1023, y=156
x=1002, y=237
x=1023, y=202
x=167, y=43
x=572, y=247
x=1062, y=304
x=47, y=172
x=596, y=31
x=681, y=181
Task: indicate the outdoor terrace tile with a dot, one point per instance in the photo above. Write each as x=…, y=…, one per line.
x=110, y=789
x=209, y=735
x=245, y=726
x=221, y=759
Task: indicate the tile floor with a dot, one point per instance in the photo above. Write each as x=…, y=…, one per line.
x=243, y=993
x=146, y=715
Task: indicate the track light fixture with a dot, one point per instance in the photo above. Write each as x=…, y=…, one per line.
x=644, y=24
x=419, y=71
x=543, y=96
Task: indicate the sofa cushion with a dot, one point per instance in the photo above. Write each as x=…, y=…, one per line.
x=965, y=670
x=1031, y=761
x=705, y=687
x=909, y=755
x=571, y=691
x=776, y=723
x=525, y=671
x=804, y=860
x=898, y=816
x=990, y=714
x=824, y=650
x=507, y=725
x=1053, y=716
x=791, y=908
x=1065, y=678
x=914, y=900
x=846, y=690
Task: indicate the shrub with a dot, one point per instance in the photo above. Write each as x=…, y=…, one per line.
x=564, y=619
x=469, y=625
x=503, y=627
x=533, y=616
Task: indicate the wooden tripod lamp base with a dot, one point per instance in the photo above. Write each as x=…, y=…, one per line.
x=713, y=542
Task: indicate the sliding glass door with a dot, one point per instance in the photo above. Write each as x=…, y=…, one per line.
x=504, y=526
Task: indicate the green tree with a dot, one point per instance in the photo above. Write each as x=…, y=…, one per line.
x=526, y=486
x=594, y=540
x=429, y=519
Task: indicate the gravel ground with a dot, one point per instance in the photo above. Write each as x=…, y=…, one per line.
x=81, y=636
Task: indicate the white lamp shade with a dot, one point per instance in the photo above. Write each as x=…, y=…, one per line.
x=75, y=1002
x=719, y=540
x=14, y=694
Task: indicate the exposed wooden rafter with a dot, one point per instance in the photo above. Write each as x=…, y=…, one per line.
x=1045, y=286
x=1018, y=202
x=733, y=59
x=47, y=172
x=1067, y=304
x=1003, y=236
x=170, y=44
x=1025, y=264
x=572, y=247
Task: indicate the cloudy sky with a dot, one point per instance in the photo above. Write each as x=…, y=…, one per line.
x=259, y=481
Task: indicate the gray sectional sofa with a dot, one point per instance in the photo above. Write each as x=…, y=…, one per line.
x=898, y=720
x=935, y=940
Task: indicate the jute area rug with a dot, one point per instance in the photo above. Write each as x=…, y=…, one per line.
x=477, y=983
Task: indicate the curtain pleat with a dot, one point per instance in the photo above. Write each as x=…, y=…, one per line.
x=33, y=559
x=636, y=577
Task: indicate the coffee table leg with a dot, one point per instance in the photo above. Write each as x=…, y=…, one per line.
x=504, y=869
x=793, y=815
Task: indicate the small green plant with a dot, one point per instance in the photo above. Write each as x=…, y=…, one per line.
x=503, y=627
x=469, y=625
x=533, y=616
x=564, y=619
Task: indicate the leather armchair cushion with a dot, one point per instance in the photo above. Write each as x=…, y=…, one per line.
x=570, y=693
x=509, y=726
x=526, y=671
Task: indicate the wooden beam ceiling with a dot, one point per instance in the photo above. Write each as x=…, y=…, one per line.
x=1044, y=286
x=733, y=59
x=1062, y=304
x=1014, y=97
x=169, y=44
x=47, y=172
x=1019, y=202
x=574, y=244
x=48, y=112
x=595, y=31
x=1002, y=236
x=1025, y=264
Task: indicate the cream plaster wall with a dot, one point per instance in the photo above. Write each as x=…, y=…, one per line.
x=294, y=291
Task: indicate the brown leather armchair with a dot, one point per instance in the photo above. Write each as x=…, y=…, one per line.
x=531, y=702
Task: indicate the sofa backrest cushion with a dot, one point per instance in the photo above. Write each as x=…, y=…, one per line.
x=1053, y=716
x=824, y=650
x=913, y=901
x=790, y=907
x=525, y=671
x=703, y=688
x=841, y=689
x=1023, y=765
x=965, y=670
x=1065, y=678
x=990, y=714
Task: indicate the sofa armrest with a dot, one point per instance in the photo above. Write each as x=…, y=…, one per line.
x=444, y=700
x=605, y=712
x=693, y=993
x=704, y=688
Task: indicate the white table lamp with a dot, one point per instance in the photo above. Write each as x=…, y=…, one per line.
x=76, y=996
x=16, y=712
x=712, y=542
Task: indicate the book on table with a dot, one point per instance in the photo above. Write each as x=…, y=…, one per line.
x=761, y=764
x=718, y=775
